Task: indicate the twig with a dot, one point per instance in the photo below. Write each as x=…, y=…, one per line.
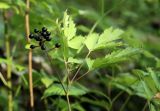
x=79, y=68
x=125, y=103
x=115, y=98
x=145, y=106
x=82, y=75
x=27, y=27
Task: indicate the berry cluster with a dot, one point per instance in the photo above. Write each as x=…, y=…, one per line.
x=41, y=36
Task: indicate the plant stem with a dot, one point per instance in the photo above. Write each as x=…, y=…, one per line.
x=68, y=85
x=104, y=14
x=115, y=98
x=58, y=76
x=9, y=62
x=102, y=7
x=29, y=54
x=145, y=106
x=80, y=69
x=69, y=105
x=125, y=103
x=82, y=75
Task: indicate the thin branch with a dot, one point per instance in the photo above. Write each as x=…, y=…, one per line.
x=79, y=68
x=27, y=27
x=82, y=75
x=115, y=98
x=145, y=106
x=125, y=103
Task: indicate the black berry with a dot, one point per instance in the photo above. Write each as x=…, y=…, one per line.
x=43, y=47
x=38, y=38
x=36, y=30
x=44, y=34
x=57, y=45
x=32, y=46
x=44, y=29
x=41, y=43
x=41, y=36
x=48, y=33
x=48, y=39
x=31, y=36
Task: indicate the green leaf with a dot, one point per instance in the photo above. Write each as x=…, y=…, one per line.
x=109, y=35
x=10, y=62
x=76, y=42
x=106, y=39
x=124, y=53
x=77, y=107
x=69, y=26
x=155, y=78
x=19, y=67
x=73, y=60
x=4, y=5
x=64, y=47
x=91, y=41
x=138, y=89
x=152, y=107
x=147, y=90
x=60, y=103
x=27, y=46
x=5, y=61
x=123, y=87
x=47, y=81
x=89, y=63
x=110, y=45
x=124, y=82
x=56, y=89
x=101, y=103
x=115, y=57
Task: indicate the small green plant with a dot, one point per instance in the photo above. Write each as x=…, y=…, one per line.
x=70, y=53
x=86, y=65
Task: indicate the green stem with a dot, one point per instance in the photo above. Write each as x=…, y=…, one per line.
x=9, y=62
x=68, y=85
x=125, y=103
x=69, y=105
x=115, y=98
x=80, y=69
x=102, y=7
x=145, y=106
x=104, y=14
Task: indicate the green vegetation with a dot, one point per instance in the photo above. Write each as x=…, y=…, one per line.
x=79, y=55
